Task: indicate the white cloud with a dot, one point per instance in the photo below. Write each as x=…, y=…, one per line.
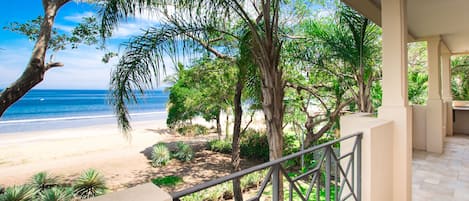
x=82, y=69
x=64, y=27
x=125, y=30
x=78, y=17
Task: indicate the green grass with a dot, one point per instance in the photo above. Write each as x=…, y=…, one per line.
x=167, y=181
x=303, y=187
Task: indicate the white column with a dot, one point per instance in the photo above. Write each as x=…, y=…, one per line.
x=395, y=102
x=446, y=89
x=434, y=103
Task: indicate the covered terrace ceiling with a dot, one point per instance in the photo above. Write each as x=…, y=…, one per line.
x=427, y=18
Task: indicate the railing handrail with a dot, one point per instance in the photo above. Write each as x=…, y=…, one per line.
x=241, y=173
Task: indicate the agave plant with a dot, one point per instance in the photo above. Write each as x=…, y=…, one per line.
x=43, y=180
x=19, y=193
x=56, y=194
x=160, y=155
x=90, y=184
x=184, y=152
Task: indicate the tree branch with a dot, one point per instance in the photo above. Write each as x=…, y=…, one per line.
x=53, y=65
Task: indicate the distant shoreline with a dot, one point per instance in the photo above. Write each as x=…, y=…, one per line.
x=44, y=124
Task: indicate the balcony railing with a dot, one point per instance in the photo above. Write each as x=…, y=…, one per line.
x=336, y=176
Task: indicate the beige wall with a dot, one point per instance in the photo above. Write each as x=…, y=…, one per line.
x=377, y=154
x=419, y=127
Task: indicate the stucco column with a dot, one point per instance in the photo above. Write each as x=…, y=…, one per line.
x=446, y=89
x=395, y=102
x=435, y=130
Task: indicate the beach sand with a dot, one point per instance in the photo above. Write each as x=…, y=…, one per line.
x=68, y=152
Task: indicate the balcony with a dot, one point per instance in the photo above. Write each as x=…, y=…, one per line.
x=442, y=176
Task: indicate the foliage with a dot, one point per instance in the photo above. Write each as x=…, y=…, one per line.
x=417, y=76
x=221, y=146
x=184, y=152
x=89, y=184
x=86, y=32
x=224, y=191
x=460, y=78
x=254, y=145
x=167, y=181
x=346, y=46
x=43, y=180
x=203, y=89
x=19, y=193
x=193, y=130
x=160, y=155
x=57, y=194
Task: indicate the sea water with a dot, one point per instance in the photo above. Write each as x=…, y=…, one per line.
x=56, y=109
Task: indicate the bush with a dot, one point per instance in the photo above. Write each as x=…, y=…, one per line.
x=42, y=181
x=89, y=184
x=184, y=152
x=57, y=194
x=254, y=145
x=19, y=193
x=160, y=155
x=221, y=146
x=167, y=181
x=193, y=130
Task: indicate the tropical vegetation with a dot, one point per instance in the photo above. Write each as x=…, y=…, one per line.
x=46, y=187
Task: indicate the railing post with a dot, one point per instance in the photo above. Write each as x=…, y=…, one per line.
x=276, y=182
x=359, y=167
x=327, y=188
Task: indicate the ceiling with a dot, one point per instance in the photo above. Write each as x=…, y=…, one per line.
x=427, y=18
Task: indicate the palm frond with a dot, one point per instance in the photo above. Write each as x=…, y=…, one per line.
x=144, y=60
x=114, y=11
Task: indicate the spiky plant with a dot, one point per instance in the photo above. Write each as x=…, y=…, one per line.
x=184, y=152
x=19, y=193
x=90, y=184
x=56, y=194
x=160, y=155
x=43, y=180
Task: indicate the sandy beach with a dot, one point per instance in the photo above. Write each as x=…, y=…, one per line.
x=68, y=152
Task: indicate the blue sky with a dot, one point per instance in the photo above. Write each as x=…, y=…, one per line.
x=83, y=67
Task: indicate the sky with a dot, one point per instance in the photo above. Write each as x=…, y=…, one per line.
x=83, y=67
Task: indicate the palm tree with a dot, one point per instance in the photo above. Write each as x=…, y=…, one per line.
x=193, y=22
x=354, y=40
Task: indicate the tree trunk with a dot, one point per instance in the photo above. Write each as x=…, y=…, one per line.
x=227, y=124
x=235, y=154
x=272, y=104
x=218, y=125
x=36, y=67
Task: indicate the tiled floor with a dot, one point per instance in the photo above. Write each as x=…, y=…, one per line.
x=442, y=177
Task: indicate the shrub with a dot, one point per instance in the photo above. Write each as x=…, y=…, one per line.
x=19, y=193
x=160, y=155
x=89, y=184
x=167, y=181
x=193, y=130
x=184, y=152
x=57, y=194
x=43, y=180
x=221, y=146
x=254, y=145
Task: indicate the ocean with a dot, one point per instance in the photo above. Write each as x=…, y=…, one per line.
x=57, y=109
